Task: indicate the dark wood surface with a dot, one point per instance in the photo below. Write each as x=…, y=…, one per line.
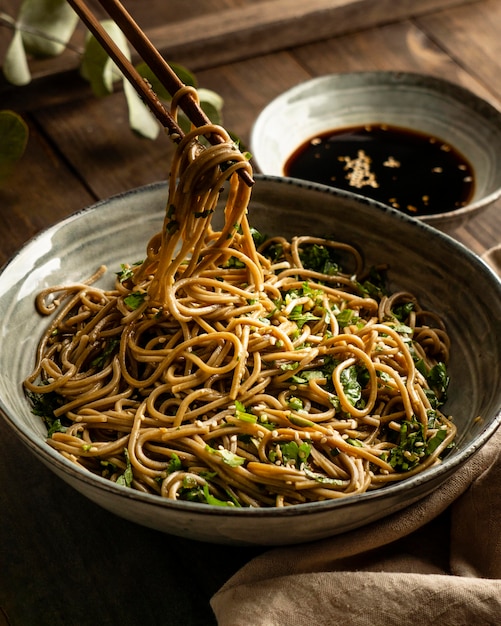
x=63, y=560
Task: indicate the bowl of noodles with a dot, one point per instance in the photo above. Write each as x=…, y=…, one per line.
x=258, y=367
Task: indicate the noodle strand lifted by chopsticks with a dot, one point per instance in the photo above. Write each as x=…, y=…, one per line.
x=237, y=373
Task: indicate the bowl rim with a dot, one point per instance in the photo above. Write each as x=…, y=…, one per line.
x=374, y=78
x=51, y=457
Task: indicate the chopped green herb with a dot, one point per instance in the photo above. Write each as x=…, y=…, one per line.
x=375, y=285
x=292, y=452
x=234, y=262
x=296, y=404
x=44, y=405
x=307, y=375
x=127, y=477
x=411, y=446
x=274, y=252
x=258, y=237
x=230, y=458
x=321, y=478
x=135, y=299
x=172, y=226
x=435, y=441
x=346, y=317
x=300, y=317
x=56, y=427
x=109, y=349
x=205, y=213
x=127, y=271
x=174, y=464
x=354, y=442
x=402, y=311
x=210, y=499
x=289, y=366
x=242, y=414
x=351, y=386
x=437, y=379
x=302, y=422
x=319, y=259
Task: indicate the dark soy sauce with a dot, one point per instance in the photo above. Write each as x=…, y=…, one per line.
x=415, y=173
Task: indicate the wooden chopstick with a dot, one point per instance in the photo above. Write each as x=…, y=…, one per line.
x=141, y=86
x=157, y=64
x=155, y=61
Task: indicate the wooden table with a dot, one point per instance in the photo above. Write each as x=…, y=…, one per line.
x=63, y=560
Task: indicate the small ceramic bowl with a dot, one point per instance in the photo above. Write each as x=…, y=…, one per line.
x=425, y=104
x=421, y=259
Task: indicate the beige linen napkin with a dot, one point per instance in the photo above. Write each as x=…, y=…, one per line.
x=437, y=562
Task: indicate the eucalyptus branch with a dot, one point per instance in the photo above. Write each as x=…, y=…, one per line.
x=10, y=23
x=36, y=33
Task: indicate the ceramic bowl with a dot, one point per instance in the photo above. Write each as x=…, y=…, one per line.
x=425, y=104
x=421, y=259
x=493, y=258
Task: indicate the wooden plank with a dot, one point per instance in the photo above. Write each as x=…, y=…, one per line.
x=478, y=55
x=403, y=46
x=236, y=34
x=239, y=30
x=40, y=191
x=104, y=141
x=94, y=135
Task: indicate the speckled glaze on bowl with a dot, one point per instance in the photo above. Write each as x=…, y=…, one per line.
x=423, y=103
x=422, y=260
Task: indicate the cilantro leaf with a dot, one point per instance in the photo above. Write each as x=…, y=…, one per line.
x=230, y=458
x=346, y=317
x=297, y=454
x=109, y=349
x=242, y=414
x=321, y=478
x=127, y=477
x=127, y=271
x=43, y=405
x=300, y=317
x=435, y=441
x=210, y=499
x=258, y=237
x=319, y=259
x=294, y=403
x=174, y=464
x=135, y=299
x=351, y=386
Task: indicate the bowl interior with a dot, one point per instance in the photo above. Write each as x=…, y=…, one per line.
x=422, y=103
x=448, y=278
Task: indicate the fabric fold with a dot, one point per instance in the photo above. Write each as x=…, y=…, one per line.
x=436, y=562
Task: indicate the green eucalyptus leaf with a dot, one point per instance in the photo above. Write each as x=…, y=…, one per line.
x=97, y=67
x=14, y=137
x=153, y=81
x=46, y=25
x=182, y=73
x=212, y=105
x=141, y=120
x=15, y=63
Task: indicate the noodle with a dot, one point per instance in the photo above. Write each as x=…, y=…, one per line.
x=237, y=373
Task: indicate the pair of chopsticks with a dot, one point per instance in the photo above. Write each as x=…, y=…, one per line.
x=152, y=57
